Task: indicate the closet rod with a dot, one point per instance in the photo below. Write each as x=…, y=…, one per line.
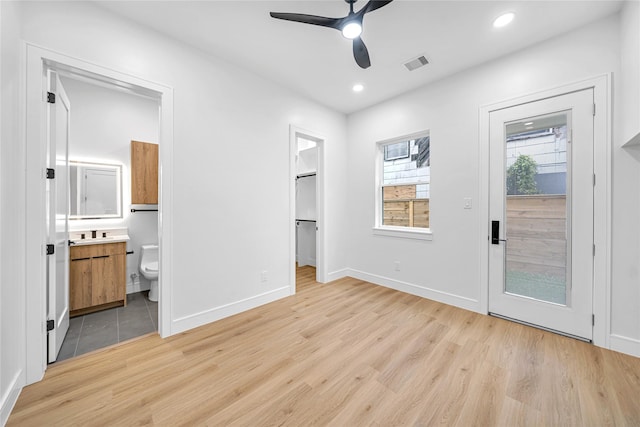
x=144, y=210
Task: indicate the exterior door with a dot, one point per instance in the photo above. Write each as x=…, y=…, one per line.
x=541, y=213
x=58, y=217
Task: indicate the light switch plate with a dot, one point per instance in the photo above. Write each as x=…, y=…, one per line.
x=467, y=203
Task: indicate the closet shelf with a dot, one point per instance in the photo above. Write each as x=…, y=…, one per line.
x=305, y=175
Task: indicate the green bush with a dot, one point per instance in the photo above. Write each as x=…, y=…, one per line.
x=521, y=176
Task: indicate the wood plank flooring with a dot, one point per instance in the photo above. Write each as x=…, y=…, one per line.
x=347, y=353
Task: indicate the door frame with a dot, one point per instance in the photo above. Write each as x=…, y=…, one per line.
x=321, y=267
x=602, y=195
x=37, y=61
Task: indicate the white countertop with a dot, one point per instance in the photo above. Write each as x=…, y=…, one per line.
x=99, y=240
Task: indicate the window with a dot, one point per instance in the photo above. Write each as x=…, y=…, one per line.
x=396, y=150
x=403, y=187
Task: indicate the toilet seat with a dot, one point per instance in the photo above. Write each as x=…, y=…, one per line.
x=151, y=267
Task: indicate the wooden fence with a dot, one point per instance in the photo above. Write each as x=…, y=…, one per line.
x=401, y=208
x=536, y=234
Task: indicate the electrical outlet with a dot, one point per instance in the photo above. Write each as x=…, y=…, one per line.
x=264, y=276
x=397, y=265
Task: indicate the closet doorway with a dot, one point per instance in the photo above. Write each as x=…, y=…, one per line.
x=307, y=195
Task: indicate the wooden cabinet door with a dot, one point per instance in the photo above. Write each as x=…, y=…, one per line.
x=80, y=284
x=120, y=276
x=103, y=287
x=144, y=173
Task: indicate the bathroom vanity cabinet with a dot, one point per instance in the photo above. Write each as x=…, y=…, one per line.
x=144, y=173
x=97, y=277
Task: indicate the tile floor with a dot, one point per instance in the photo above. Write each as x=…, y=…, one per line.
x=104, y=328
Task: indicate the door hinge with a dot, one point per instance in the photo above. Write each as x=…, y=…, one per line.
x=594, y=250
x=51, y=173
x=594, y=109
x=593, y=320
x=51, y=249
x=51, y=97
x=594, y=179
x=50, y=325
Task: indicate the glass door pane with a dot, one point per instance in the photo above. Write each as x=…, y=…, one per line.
x=537, y=223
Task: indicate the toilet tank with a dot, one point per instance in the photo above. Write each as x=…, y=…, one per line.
x=148, y=253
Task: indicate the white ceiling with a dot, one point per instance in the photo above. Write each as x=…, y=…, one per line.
x=318, y=62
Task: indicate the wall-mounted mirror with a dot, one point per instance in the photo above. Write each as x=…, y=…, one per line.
x=95, y=190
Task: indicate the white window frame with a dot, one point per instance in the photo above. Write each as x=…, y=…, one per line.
x=401, y=156
x=379, y=228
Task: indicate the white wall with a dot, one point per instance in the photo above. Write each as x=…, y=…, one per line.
x=103, y=123
x=12, y=226
x=625, y=296
x=630, y=70
x=225, y=231
x=448, y=267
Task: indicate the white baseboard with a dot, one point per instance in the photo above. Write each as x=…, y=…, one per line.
x=338, y=274
x=193, y=321
x=410, y=288
x=625, y=345
x=138, y=287
x=10, y=397
x=306, y=261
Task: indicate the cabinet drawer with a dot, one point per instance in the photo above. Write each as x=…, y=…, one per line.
x=102, y=249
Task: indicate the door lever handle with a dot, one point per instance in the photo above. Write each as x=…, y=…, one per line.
x=495, y=233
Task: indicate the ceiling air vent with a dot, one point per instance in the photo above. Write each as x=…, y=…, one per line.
x=416, y=63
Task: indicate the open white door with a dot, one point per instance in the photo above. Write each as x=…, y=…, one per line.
x=57, y=216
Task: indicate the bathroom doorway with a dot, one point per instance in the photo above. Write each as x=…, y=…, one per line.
x=308, y=215
x=104, y=119
x=39, y=63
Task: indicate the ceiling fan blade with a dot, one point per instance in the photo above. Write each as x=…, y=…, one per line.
x=360, y=53
x=373, y=5
x=308, y=19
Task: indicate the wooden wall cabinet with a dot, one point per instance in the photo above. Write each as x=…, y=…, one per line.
x=144, y=173
x=97, y=277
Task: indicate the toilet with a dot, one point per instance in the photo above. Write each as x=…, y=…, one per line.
x=149, y=268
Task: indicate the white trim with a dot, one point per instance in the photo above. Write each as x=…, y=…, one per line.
x=211, y=315
x=413, y=289
x=602, y=132
x=403, y=232
x=135, y=288
x=625, y=345
x=338, y=274
x=602, y=195
x=35, y=126
x=321, y=224
x=10, y=397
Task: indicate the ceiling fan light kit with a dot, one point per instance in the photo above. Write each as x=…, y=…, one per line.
x=350, y=26
x=352, y=30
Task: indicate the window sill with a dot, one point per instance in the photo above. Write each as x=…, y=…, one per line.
x=403, y=232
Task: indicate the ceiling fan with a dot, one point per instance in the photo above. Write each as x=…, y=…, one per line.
x=350, y=26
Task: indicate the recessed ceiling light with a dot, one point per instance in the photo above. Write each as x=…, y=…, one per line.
x=503, y=19
x=358, y=87
x=528, y=123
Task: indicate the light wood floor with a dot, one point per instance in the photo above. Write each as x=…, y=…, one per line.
x=347, y=353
